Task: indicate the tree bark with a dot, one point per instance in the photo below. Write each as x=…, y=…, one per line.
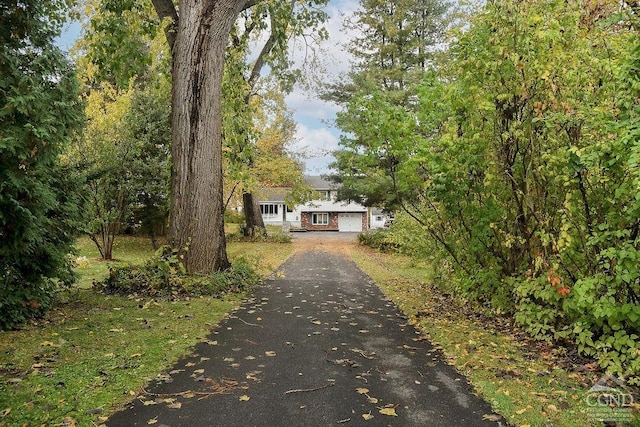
x=196, y=226
x=252, y=214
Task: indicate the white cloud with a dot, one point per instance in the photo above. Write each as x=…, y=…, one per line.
x=316, y=146
x=317, y=135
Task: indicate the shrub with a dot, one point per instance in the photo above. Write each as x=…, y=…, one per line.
x=270, y=238
x=164, y=276
x=378, y=239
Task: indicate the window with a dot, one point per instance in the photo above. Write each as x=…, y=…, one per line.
x=269, y=209
x=320, y=219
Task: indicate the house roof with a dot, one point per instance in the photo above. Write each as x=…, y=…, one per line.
x=276, y=194
x=319, y=183
x=332, y=206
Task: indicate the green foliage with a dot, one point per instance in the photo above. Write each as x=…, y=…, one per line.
x=119, y=38
x=164, y=276
x=39, y=204
x=518, y=163
x=244, y=236
x=379, y=240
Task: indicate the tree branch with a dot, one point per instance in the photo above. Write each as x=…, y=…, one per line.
x=166, y=9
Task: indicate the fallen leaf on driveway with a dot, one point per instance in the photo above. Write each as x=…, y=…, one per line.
x=367, y=417
x=153, y=421
x=175, y=405
x=362, y=390
x=270, y=353
x=389, y=411
x=244, y=398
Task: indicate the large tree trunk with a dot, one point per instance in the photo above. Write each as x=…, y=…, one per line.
x=197, y=205
x=252, y=214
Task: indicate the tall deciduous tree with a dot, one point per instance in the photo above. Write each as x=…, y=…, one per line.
x=198, y=34
x=39, y=113
x=125, y=146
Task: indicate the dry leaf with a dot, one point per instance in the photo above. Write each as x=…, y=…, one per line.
x=5, y=412
x=270, y=353
x=175, y=405
x=389, y=411
x=367, y=417
x=153, y=421
x=362, y=390
x=491, y=417
x=372, y=400
x=199, y=371
x=244, y=398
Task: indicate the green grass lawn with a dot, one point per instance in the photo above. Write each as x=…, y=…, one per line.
x=94, y=352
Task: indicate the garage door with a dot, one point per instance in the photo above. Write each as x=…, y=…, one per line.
x=350, y=222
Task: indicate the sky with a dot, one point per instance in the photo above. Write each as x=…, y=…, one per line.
x=317, y=135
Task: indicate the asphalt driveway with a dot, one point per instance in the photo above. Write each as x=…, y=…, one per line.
x=318, y=345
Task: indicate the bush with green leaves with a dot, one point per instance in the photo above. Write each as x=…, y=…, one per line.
x=164, y=276
x=519, y=163
x=40, y=112
x=259, y=237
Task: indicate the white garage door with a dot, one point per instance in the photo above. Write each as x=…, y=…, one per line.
x=350, y=222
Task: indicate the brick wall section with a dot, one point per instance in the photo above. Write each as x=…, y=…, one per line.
x=332, y=226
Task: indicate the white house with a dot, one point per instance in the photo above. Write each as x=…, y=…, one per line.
x=321, y=214
x=378, y=218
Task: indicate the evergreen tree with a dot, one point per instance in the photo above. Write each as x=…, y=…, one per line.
x=395, y=48
x=39, y=113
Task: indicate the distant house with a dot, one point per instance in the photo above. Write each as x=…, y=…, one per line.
x=378, y=218
x=323, y=213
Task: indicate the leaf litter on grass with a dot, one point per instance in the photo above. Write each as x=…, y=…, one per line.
x=527, y=382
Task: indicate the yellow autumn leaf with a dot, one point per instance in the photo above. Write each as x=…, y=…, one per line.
x=389, y=411
x=244, y=398
x=270, y=353
x=175, y=405
x=153, y=421
x=367, y=417
x=362, y=390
